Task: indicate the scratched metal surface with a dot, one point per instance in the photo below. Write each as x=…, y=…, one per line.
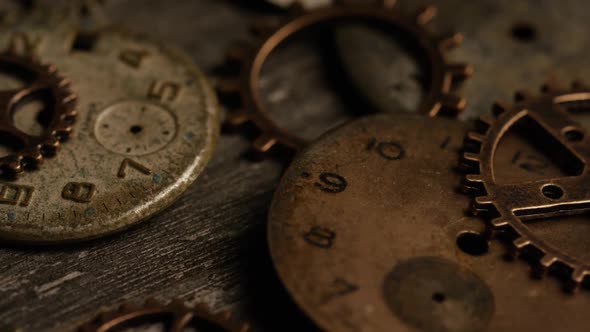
x=210, y=246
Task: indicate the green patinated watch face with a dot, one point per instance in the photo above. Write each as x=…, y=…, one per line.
x=143, y=122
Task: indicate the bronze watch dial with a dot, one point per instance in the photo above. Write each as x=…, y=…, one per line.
x=368, y=232
x=146, y=126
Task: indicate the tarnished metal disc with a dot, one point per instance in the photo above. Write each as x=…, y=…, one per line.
x=368, y=232
x=147, y=124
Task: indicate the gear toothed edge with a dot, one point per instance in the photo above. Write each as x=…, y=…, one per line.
x=65, y=104
x=482, y=205
x=236, y=90
x=177, y=307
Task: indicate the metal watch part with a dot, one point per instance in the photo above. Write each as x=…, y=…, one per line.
x=57, y=116
x=516, y=207
x=174, y=317
x=251, y=60
x=147, y=125
x=367, y=232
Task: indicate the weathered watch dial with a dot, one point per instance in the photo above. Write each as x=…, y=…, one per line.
x=146, y=126
x=368, y=232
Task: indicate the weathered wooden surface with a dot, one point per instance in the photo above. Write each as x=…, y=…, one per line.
x=211, y=245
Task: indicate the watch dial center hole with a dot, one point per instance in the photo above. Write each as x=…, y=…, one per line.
x=135, y=129
x=472, y=243
x=524, y=32
x=439, y=297
x=552, y=191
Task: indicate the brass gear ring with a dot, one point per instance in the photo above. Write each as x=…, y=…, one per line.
x=509, y=206
x=57, y=117
x=176, y=317
x=439, y=95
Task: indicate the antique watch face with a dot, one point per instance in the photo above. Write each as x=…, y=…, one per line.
x=104, y=129
x=368, y=232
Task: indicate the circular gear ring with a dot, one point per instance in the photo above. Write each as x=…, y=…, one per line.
x=509, y=206
x=58, y=116
x=176, y=316
x=439, y=95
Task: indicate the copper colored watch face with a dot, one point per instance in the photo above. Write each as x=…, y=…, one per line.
x=368, y=231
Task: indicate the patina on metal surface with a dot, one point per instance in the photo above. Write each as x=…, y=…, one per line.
x=439, y=94
x=373, y=207
x=513, y=205
x=147, y=125
x=154, y=316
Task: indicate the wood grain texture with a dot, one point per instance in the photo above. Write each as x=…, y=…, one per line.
x=210, y=246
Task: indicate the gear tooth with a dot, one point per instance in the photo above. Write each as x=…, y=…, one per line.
x=486, y=120
x=14, y=164
x=453, y=102
x=474, y=179
x=450, y=41
x=470, y=161
x=547, y=260
x=473, y=184
x=51, y=69
x=426, y=14
x=575, y=281
x=499, y=223
x=578, y=275
x=478, y=210
x=499, y=107
x=460, y=70
x=522, y=95
x=540, y=269
x=469, y=156
x=475, y=137
x=264, y=143
x=483, y=201
x=237, y=118
x=521, y=242
x=70, y=117
x=64, y=83
x=70, y=98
